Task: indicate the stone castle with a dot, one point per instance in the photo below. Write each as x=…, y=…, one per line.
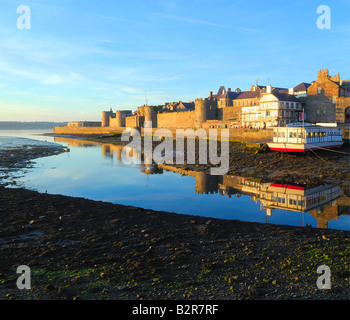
x=325, y=100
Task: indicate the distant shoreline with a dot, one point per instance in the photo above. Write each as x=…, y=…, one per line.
x=29, y=125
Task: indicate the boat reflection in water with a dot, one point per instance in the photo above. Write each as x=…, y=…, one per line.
x=324, y=203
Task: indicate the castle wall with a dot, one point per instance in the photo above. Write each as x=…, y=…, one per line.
x=342, y=104
x=184, y=119
x=232, y=114
x=86, y=130
x=114, y=122
x=319, y=108
x=132, y=121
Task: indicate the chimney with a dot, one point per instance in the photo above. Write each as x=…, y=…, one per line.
x=268, y=89
x=228, y=89
x=211, y=94
x=291, y=91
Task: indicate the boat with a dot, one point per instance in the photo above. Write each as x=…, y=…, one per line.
x=304, y=138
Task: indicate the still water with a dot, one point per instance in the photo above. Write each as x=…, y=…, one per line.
x=96, y=172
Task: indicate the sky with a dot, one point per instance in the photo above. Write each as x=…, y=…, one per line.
x=79, y=58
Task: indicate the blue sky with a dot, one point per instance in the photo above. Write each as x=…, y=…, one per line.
x=82, y=57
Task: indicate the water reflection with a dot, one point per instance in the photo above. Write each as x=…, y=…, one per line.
x=324, y=203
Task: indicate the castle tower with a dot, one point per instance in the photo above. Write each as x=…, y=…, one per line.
x=323, y=75
x=206, y=183
x=118, y=118
x=200, y=112
x=150, y=115
x=141, y=111
x=105, y=117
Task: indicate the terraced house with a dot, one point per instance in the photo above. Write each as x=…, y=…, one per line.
x=274, y=108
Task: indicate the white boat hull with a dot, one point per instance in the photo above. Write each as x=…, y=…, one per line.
x=300, y=147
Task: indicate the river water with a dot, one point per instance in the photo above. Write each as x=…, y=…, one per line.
x=96, y=172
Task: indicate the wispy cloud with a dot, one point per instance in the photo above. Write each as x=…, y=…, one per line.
x=53, y=79
x=192, y=20
x=76, y=76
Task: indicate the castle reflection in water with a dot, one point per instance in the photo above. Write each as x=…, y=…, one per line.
x=324, y=203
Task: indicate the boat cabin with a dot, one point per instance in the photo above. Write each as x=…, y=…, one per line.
x=303, y=138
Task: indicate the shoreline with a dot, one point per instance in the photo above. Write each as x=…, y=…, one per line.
x=83, y=249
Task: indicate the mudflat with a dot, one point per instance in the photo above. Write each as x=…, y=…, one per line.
x=83, y=249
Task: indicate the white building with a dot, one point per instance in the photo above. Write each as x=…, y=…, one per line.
x=274, y=109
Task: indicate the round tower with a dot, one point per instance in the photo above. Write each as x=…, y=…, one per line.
x=200, y=112
x=118, y=118
x=105, y=118
x=150, y=115
x=141, y=111
x=201, y=182
x=206, y=183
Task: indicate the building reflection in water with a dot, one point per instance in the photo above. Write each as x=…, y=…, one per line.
x=324, y=203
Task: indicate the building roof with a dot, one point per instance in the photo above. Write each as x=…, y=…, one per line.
x=284, y=96
x=248, y=95
x=221, y=90
x=227, y=95
x=302, y=86
x=187, y=105
x=263, y=88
